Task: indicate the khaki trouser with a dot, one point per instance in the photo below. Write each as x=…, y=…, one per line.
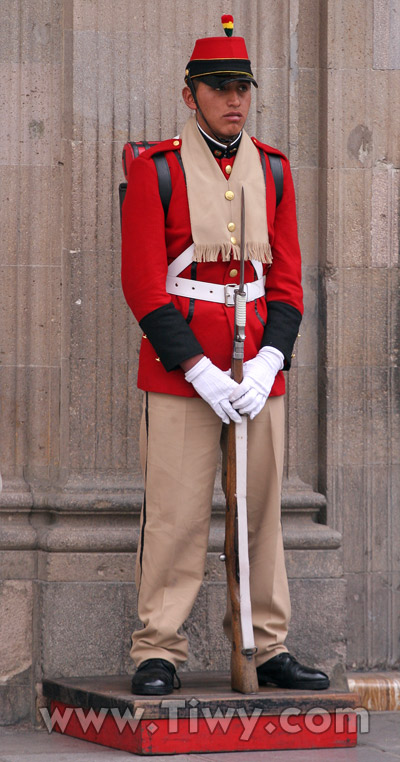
x=179, y=444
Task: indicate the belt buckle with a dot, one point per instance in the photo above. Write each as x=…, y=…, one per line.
x=230, y=289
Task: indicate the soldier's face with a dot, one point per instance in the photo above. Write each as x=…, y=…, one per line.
x=225, y=108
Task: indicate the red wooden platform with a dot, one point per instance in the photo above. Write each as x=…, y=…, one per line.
x=203, y=716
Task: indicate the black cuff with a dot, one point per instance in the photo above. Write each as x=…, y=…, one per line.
x=170, y=335
x=281, y=330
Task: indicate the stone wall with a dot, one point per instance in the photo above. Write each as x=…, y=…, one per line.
x=79, y=78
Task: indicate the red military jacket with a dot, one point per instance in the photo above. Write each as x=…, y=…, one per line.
x=177, y=328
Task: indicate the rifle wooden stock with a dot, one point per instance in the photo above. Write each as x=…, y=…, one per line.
x=243, y=668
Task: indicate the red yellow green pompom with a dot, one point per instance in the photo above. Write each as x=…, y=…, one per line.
x=227, y=23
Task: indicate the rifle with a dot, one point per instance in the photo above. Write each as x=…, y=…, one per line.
x=243, y=668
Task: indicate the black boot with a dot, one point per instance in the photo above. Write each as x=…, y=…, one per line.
x=285, y=671
x=154, y=677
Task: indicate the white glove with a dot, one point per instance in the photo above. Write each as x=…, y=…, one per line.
x=214, y=386
x=258, y=376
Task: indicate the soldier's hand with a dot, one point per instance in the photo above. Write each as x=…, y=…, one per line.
x=258, y=377
x=215, y=387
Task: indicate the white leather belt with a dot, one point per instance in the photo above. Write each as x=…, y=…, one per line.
x=210, y=292
x=214, y=292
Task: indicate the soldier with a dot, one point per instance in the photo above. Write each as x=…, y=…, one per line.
x=184, y=309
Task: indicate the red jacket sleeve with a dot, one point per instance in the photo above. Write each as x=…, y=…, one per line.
x=145, y=265
x=144, y=253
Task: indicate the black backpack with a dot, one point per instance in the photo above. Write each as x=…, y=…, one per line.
x=133, y=149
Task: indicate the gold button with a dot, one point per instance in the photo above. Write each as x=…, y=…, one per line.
x=229, y=195
x=158, y=359
x=233, y=273
x=228, y=169
x=144, y=336
x=294, y=354
x=233, y=239
x=231, y=227
x=187, y=72
x=175, y=143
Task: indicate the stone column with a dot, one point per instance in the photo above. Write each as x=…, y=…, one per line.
x=359, y=244
x=31, y=167
x=313, y=551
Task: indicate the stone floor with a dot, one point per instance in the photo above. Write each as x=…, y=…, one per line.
x=22, y=744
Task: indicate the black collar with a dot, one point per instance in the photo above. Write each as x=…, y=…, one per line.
x=220, y=150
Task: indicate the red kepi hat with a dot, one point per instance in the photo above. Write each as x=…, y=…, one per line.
x=216, y=60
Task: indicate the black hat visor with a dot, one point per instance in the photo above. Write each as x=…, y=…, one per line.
x=219, y=80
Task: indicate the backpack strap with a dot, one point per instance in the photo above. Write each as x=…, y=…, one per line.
x=164, y=180
x=275, y=162
x=122, y=193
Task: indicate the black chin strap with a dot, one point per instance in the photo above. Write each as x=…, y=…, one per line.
x=224, y=140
